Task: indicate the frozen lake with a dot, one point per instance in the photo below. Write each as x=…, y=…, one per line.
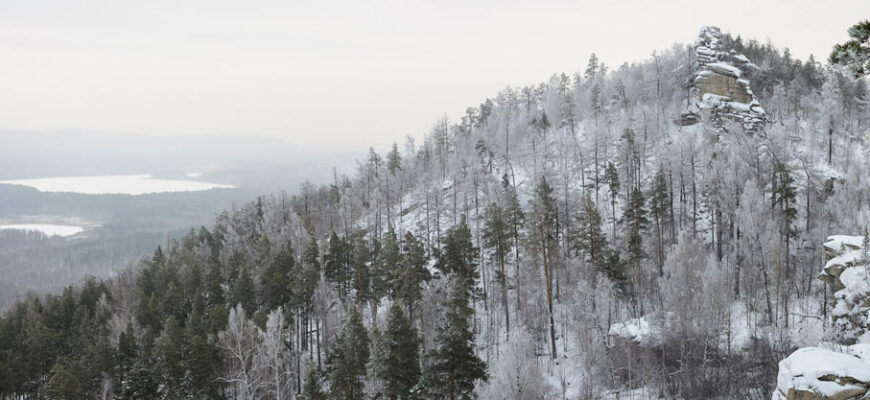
x=47, y=229
x=115, y=184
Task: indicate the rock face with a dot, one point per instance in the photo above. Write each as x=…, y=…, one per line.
x=814, y=373
x=842, y=370
x=722, y=91
x=848, y=273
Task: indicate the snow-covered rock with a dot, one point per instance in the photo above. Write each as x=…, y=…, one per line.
x=848, y=272
x=817, y=373
x=644, y=330
x=722, y=89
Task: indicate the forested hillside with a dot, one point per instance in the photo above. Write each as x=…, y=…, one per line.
x=652, y=229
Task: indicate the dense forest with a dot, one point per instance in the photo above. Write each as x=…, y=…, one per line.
x=604, y=234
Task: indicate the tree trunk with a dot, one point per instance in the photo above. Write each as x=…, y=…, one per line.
x=549, y=296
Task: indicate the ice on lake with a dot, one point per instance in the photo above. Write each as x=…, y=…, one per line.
x=115, y=184
x=47, y=229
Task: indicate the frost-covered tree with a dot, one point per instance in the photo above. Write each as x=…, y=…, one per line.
x=240, y=343
x=855, y=53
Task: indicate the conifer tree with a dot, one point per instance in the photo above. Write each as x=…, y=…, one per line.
x=69, y=380
x=169, y=357
x=243, y=292
x=335, y=263
x=349, y=358
x=589, y=237
x=545, y=233
x=591, y=67
x=658, y=207
x=635, y=223
x=394, y=159
x=275, y=279
x=141, y=384
x=305, y=278
x=128, y=352
x=384, y=269
x=515, y=216
x=412, y=272
x=312, y=389
x=611, y=177
x=400, y=366
x=496, y=236
x=785, y=198
x=458, y=257
x=452, y=366
x=362, y=253
x=854, y=54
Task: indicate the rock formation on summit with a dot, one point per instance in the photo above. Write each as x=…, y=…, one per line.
x=723, y=92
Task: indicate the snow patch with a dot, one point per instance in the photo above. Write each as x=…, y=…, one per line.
x=115, y=184
x=46, y=229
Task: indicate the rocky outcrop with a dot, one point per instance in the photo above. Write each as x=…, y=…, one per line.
x=814, y=373
x=722, y=91
x=848, y=272
x=841, y=370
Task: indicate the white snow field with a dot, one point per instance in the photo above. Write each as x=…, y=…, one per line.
x=47, y=229
x=115, y=184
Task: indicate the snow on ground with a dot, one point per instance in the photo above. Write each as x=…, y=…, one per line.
x=47, y=229
x=840, y=242
x=643, y=330
x=114, y=184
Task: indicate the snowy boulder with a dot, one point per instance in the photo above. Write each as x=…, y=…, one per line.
x=816, y=373
x=645, y=331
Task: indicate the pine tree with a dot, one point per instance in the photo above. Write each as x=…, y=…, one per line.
x=385, y=269
x=336, y=264
x=785, y=197
x=545, y=234
x=453, y=367
x=141, y=384
x=400, y=366
x=128, y=352
x=589, y=237
x=496, y=236
x=658, y=207
x=515, y=218
x=243, y=292
x=312, y=390
x=611, y=177
x=865, y=246
x=458, y=257
x=169, y=357
x=412, y=272
x=591, y=67
x=394, y=159
x=69, y=380
x=201, y=360
x=614, y=268
x=349, y=358
x=275, y=280
x=362, y=252
x=306, y=276
x=854, y=54
x=635, y=221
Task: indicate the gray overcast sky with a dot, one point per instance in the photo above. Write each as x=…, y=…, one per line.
x=339, y=73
